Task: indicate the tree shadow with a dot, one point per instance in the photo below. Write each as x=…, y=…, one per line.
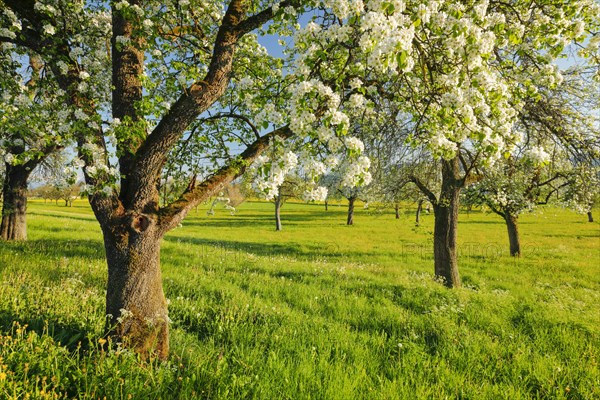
x=84, y=248
x=305, y=252
x=262, y=220
x=73, y=337
x=63, y=215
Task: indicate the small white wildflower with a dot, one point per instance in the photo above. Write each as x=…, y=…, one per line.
x=49, y=30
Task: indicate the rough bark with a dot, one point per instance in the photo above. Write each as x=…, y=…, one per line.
x=446, y=224
x=135, y=301
x=132, y=222
x=590, y=216
x=350, y=220
x=278, y=213
x=512, y=224
x=418, y=214
x=397, y=210
x=14, y=205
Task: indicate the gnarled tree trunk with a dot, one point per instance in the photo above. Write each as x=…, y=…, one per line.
x=131, y=220
x=513, y=233
x=446, y=224
x=135, y=301
x=397, y=210
x=278, y=212
x=14, y=205
x=590, y=216
x=350, y=220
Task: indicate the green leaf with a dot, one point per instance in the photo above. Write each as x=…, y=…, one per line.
x=388, y=8
x=322, y=54
x=514, y=39
x=401, y=58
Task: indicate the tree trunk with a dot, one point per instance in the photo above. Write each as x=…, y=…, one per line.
x=513, y=234
x=278, y=213
x=418, y=215
x=350, y=220
x=397, y=210
x=446, y=224
x=590, y=216
x=135, y=302
x=14, y=206
x=326, y=205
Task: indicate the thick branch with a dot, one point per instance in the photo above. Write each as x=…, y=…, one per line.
x=127, y=69
x=152, y=154
x=257, y=20
x=430, y=195
x=495, y=210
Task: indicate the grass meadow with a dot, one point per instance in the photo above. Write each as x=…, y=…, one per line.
x=319, y=310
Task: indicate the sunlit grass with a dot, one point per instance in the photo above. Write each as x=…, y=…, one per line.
x=319, y=310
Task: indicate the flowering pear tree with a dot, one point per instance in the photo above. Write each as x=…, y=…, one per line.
x=33, y=125
x=171, y=66
x=583, y=190
x=560, y=129
x=460, y=70
x=343, y=181
x=513, y=186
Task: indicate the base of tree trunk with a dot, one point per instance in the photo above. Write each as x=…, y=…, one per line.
x=14, y=205
x=278, y=214
x=590, y=216
x=14, y=227
x=513, y=235
x=350, y=220
x=135, y=301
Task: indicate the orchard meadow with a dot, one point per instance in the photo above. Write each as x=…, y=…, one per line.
x=319, y=310
x=212, y=257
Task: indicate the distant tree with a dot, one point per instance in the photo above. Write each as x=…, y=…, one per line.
x=515, y=185
x=582, y=191
x=32, y=126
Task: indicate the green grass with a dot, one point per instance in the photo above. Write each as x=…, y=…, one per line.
x=319, y=310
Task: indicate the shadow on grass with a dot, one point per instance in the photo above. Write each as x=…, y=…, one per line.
x=71, y=336
x=84, y=248
x=262, y=220
x=63, y=215
x=228, y=248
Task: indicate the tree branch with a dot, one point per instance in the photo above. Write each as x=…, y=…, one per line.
x=495, y=210
x=430, y=195
x=171, y=216
x=152, y=154
x=236, y=116
x=257, y=20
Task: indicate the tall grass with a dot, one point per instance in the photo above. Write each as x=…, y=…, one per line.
x=319, y=310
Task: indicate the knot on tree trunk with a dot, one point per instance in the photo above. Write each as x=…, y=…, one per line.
x=140, y=222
